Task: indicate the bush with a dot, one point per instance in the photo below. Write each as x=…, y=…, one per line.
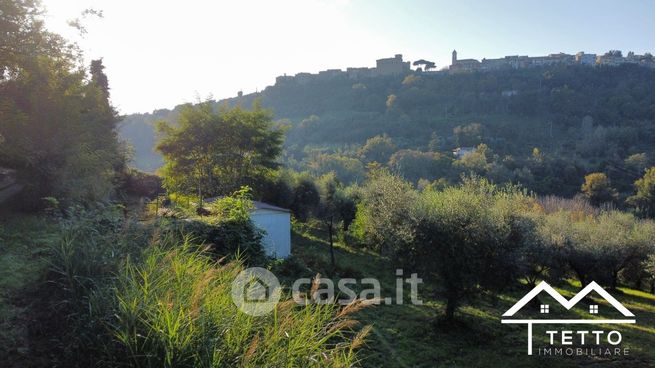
x=221, y=237
x=141, y=184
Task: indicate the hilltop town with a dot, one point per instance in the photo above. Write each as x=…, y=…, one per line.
x=611, y=58
x=397, y=66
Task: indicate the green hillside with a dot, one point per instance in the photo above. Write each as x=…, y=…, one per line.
x=581, y=120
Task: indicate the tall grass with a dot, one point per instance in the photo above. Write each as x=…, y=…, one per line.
x=76, y=301
x=175, y=310
x=126, y=294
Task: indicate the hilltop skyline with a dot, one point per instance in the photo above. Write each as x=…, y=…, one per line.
x=202, y=49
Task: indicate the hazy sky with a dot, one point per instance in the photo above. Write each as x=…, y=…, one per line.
x=162, y=53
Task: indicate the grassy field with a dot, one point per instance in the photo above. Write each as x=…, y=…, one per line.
x=414, y=336
x=402, y=336
x=23, y=243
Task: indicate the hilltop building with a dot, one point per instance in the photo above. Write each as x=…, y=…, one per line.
x=585, y=59
x=464, y=64
x=517, y=62
x=394, y=66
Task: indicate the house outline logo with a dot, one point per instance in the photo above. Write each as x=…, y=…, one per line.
x=256, y=291
x=568, y=304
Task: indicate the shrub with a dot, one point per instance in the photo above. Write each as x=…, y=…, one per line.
x=141, y=184
x=221, y=237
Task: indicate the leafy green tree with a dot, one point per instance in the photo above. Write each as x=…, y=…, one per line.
x=385, y=212
x=598, y=246
x=213, y=153
x=470, y=238
x=469, y=135
x=348, y=206
x=305, y=197
x=478, y=162
x=414, y=165
x=59, y=127
x=378, y=148
x=644, y=198
x=598, y=189
x=649, y=266
x=98, y=76
x=331, y=206
x=436, y=143
x=348, y=169
x=278, y=188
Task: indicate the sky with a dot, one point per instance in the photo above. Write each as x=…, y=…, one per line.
x=159, y=54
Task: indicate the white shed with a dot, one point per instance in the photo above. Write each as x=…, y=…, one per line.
x=276, y=222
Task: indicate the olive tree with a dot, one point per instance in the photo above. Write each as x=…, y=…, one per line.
x=472, y=237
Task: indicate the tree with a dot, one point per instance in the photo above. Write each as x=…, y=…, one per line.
x=215, y=153
x=649, y=266
x=414, y=165
x=637, y=162
x=330, y=208
x=378, y=148
x=98, y=76
x=435, y=143
x=391, y=101
x=348, y=206
x=598, y=189
x=305, y=197
x=347, y=169
x=385, y=211
x=59, y=128
x=411, y=79
x=615, y=53
x=471, y=237
x=427, y=65
x=479, y=161
x=468, y=135
x=644, y=198
x=597, y=245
